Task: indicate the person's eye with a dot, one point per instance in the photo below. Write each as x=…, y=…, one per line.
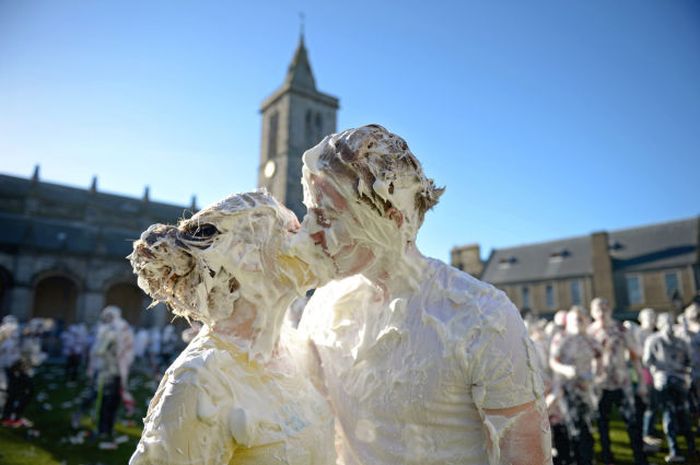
x=201, y=231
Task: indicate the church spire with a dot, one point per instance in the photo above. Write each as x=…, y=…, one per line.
x=299, y=73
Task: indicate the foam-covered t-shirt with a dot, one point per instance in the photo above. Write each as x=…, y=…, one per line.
x=215, y=405
x=409, y=379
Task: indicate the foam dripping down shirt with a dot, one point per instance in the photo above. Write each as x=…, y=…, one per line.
x=409, y=379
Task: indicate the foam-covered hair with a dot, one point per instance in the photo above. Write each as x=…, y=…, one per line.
x=380, y=167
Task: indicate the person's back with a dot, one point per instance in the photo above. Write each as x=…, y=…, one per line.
x=667, y=357
x=409, y=379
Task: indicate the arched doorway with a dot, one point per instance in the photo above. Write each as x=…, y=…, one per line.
x=130, y=299
x=55, y=297
x=5, y=289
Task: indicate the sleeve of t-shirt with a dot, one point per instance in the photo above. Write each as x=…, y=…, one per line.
x=503, y=367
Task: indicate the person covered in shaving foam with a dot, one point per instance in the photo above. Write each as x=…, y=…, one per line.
x=238, y=394
x=423, y=364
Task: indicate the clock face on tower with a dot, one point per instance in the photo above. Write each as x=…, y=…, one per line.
x=269, y=169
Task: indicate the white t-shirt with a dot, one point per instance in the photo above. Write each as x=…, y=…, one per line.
x=408, y=379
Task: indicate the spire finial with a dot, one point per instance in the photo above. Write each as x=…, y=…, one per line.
x=147, y=194
x=93, y=184
x=35, y=175
x=193, y=203
x=302, y=17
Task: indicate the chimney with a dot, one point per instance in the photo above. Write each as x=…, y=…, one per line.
x=467, y=258
x=35, y=175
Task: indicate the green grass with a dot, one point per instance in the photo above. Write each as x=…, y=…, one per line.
x=51, y=446
x=621, y=446
x=47, y=442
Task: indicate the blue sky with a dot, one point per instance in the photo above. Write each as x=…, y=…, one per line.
x=544, y=119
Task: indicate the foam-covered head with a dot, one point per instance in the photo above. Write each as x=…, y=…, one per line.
x=647, y=318
x=560, y=318
x=374, y=166
x=600, y=309
x=366, y=192
x=231, y=249
x=575, y=321
x=110, y=313
x=664, y=321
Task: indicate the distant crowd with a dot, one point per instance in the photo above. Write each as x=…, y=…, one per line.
x=593, y=363
x=105, y=354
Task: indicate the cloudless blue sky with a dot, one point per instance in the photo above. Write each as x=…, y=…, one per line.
x=544, y=119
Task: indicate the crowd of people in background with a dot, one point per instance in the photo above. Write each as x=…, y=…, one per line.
x=100, y=357
x=593, y=364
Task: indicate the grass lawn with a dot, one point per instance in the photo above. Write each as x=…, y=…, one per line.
x=48, y=442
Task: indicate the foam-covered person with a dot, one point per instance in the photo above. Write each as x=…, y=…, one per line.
x=668, y=358
x=691, y=334
x=572, y=361
x=423, y=363
x=238, y=394
x=647, y=327
x=109, y=383
x=613, y=378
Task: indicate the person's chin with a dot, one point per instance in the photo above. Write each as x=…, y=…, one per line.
x=322, y=267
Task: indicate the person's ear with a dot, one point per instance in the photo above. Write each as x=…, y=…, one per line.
x=396, y=216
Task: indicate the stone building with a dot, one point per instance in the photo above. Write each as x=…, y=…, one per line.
x=654, y=266
x=63, y=249
x=294, y=118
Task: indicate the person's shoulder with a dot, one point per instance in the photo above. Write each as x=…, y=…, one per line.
x=469, y=296
x=202, y=355
x=653, y=338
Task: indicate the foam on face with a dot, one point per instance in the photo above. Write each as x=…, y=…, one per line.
x=229, y=255
x=375, y=193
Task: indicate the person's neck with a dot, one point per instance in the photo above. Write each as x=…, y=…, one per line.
x=398, y=275
x=255, y=327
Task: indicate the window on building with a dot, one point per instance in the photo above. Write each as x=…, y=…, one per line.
x=525, y=291
x=672, y=283
x=558, y=255
x=635, y=294
x=272, y=135
x=549, y=295
x=507, y=262
x=308, y=129
x=576, y=293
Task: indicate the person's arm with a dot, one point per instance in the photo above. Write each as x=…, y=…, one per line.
x=522, y=433
x=507, y=388
x=555, y=363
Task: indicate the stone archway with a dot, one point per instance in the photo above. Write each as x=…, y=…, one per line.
x=130, y=299
x=56, y=297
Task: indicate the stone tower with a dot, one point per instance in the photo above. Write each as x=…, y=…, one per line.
x=294, y=118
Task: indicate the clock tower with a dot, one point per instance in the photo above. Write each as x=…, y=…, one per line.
x=294, y=118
